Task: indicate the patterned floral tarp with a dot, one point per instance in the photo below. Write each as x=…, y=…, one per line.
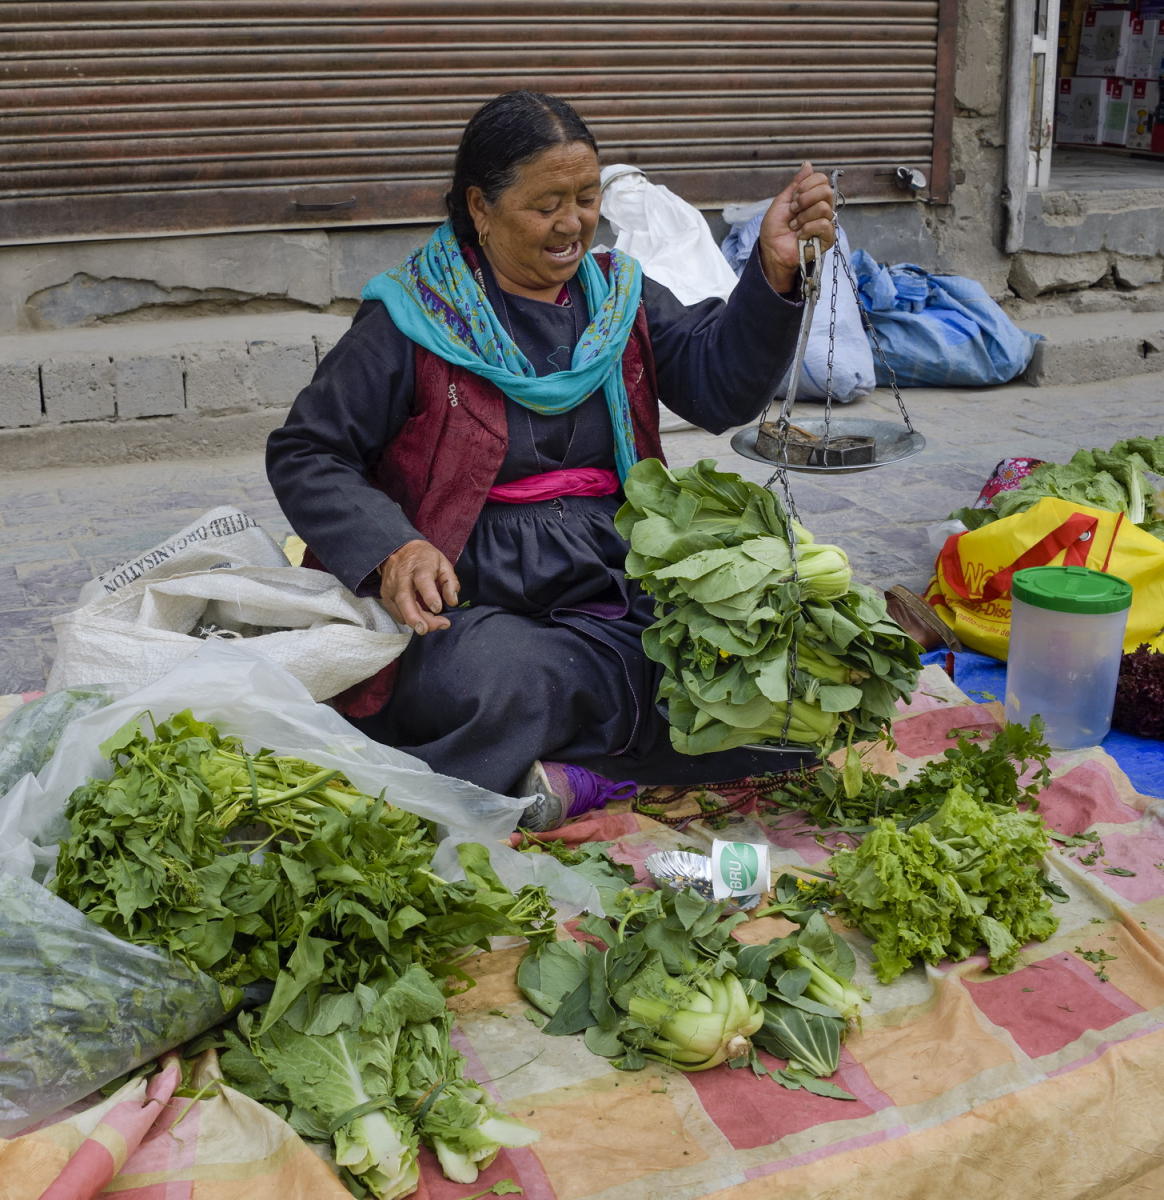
x=1046, y=1082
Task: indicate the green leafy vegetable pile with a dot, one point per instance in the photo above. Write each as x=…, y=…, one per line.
x=991, y=769
x=970, y=875
x=275, y=875
x=762, y=638
x=662, y=978
x=1115, y=479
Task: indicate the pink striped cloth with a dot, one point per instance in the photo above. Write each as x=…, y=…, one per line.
x=148, y=1141
x=570, y=481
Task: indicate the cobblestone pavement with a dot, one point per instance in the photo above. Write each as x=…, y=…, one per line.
x=58, y=528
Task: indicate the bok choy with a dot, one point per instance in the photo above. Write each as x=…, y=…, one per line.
x=662, y=978
x=761, y=632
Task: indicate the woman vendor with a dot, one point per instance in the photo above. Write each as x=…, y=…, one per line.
x=460, y=450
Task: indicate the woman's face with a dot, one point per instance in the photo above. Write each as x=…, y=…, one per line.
x=542, y=224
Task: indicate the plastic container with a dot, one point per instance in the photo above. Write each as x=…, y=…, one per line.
x=1066, y=642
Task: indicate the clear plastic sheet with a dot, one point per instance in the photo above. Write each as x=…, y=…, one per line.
x=80, y=1007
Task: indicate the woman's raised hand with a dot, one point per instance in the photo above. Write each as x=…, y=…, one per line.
x=416, y=583
x=802, y=211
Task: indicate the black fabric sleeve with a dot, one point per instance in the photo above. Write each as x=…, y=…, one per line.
x=719, y=361
x=318, y=461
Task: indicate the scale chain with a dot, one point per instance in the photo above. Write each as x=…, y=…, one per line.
x=867, y=323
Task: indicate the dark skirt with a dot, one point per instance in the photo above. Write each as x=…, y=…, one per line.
x=544, y=660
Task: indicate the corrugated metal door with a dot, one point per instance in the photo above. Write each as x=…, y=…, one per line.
x=176, y=116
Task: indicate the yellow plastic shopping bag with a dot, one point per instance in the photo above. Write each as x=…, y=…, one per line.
x=970, y=589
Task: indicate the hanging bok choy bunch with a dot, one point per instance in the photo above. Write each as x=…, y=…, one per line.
x=761, y=632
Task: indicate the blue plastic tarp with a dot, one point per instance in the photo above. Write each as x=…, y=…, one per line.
x=984, y=678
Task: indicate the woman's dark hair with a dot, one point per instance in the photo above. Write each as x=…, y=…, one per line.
x=502, y=134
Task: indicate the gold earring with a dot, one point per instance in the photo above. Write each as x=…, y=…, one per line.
x=483, y=237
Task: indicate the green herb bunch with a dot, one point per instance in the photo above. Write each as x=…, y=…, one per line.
x=1008, y=768
x=277, y=877
x=761, y=632
x=948, y=862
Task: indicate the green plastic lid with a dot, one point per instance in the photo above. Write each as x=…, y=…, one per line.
x=1071, y=589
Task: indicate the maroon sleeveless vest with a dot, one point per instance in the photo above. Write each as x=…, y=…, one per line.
x=441, y=465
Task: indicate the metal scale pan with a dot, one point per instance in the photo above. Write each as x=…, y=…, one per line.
x=891, y=443
x=834, y=445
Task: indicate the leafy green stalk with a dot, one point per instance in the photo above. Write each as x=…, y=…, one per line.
x=761, y=633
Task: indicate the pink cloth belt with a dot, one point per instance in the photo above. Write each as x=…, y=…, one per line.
x=571, y=481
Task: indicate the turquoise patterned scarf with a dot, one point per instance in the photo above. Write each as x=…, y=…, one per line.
x=434, y=299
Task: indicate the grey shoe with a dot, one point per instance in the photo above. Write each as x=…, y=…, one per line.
x=563, y=791
x=548, y=808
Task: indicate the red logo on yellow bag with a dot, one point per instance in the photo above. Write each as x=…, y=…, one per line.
x=970, y=589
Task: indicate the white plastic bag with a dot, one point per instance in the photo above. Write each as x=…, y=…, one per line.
x=669, y=237
x=243, y=693
x=79, y=1006
x=671, y=240
x=139, y=620
x=853, y=371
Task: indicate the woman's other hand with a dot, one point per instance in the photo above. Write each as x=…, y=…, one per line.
x=803, y=210
x=416, y=583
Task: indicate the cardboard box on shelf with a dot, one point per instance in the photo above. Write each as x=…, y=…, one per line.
x=1144, y=48
x=1091, y=111
x=1117, y=94
x=1145, y=99
x=1104, y=42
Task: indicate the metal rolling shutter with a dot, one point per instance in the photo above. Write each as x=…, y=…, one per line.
x=145, y=117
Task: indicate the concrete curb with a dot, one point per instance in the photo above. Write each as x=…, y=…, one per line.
x=132, y=374
x=1096, y=346
x=211, y=386
x=95, y=443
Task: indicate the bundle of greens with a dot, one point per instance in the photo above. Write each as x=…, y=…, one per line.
x=662, y=978
x=1115, y=479
x=761, y=632
x=375, y=1071
x=1009, y=768
x=274, y=875
x=809, y=1002
x=968, y=876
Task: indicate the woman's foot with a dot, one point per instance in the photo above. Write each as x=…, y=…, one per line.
x=564, y=791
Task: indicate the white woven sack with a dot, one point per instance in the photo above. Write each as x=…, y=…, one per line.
x=303, y=620
x=137, y=620
x=222, y=537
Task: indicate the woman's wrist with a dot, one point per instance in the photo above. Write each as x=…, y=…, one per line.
x=782, y=280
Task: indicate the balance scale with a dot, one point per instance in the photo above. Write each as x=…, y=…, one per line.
x=832, y=446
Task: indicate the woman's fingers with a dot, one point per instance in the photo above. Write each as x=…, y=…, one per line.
x=802, y=211
x=416, y=583
x=811, y=206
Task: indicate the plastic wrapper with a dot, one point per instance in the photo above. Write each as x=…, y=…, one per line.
x=243, y=693
x=80, y=1007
